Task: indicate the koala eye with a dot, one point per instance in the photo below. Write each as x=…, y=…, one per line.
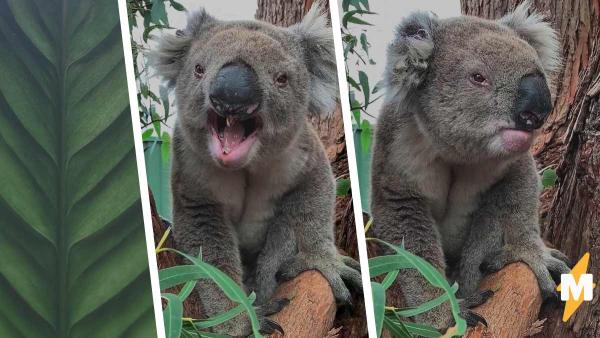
x=281, y=79
x=478, y=78
x=198, y=71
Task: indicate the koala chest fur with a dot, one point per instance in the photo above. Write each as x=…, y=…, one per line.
x=249, y=199
x=457, y=199
x=452, y=190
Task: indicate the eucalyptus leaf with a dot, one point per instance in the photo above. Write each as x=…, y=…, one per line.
x=363, y=79
x=350, y=17
x=421, y=330
x=159, y=13
x=396, y=328
x=74, y=259
x=229, y=288
x=364, y=43
x=378, y=292
x=165, y=147
x=146, y=135
x=172, y=315
x=177, y=6
x=365, y=135
x=176, y=275
x=187, y=289
x=342, y=186
x=549, y=178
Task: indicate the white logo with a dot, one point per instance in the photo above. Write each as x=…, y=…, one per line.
x=571, y=289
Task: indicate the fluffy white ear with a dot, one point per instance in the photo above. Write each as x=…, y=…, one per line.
x=168, y=58
x=531, y=27
x=409, y=53
x=316, y=38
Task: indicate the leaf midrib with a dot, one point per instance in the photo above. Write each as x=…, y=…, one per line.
x=62, y=257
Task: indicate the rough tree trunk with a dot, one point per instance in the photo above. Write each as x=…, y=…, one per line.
x=331, y=131
x=570, y=142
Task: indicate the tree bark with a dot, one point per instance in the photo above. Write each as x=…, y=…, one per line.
x=517, y=298
x=312, y=308
x=570, y=212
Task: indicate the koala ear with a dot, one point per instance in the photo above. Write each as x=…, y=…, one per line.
x=409, y=53
x=168, y=57
x=532, y=28
x=316, y=39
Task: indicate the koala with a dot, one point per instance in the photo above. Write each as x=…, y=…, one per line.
x=252, y=187
x=452, y=176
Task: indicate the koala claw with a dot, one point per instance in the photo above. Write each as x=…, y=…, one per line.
x=547, y=265
x=339, y=271
x=472, y=318
x=476, y=299
x=272, y=307
x=269, y=326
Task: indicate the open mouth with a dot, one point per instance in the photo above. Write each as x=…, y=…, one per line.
x=233, y=135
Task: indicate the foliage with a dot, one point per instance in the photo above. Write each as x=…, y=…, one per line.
x=394, y=319
x=155, y=108
x=549, y=177
x=188, y=275
x=72, y=243
x=147, y=17
x=361, y=92
x=356, y=51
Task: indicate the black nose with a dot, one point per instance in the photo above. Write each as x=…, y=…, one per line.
x=533, y=102
x=235, y=90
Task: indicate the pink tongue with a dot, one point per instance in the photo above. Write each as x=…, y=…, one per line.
x=516, y=140
x=232, y=137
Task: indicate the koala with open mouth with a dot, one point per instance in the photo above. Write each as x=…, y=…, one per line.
x=252, y=186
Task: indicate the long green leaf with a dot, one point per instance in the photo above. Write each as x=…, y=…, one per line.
x=170, y=277
x=378, y=292
x=435, y=278
x=229, y=288
x=172, y=315
x=383, y=264
x=187, y=289
x=74, y=260
x=421, y=330
x=427, y=305
x=223, y=317
x=396, y=328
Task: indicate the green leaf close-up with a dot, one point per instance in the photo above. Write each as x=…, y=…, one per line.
x=74, y=258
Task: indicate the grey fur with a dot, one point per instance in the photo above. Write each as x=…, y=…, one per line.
x=442, y=182
x=273, y=213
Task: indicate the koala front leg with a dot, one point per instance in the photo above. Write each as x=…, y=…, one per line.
x=512, y=207
x=309, y=209
x=401, y=217
x=485, y=237
x=198, y=226
x=280, y=247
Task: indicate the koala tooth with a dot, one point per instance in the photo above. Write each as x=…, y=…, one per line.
x=247, y=184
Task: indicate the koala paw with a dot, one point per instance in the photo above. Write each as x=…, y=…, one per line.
x=272, y=307
x=339, y=271
x=473, y=301
x=547, y=264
